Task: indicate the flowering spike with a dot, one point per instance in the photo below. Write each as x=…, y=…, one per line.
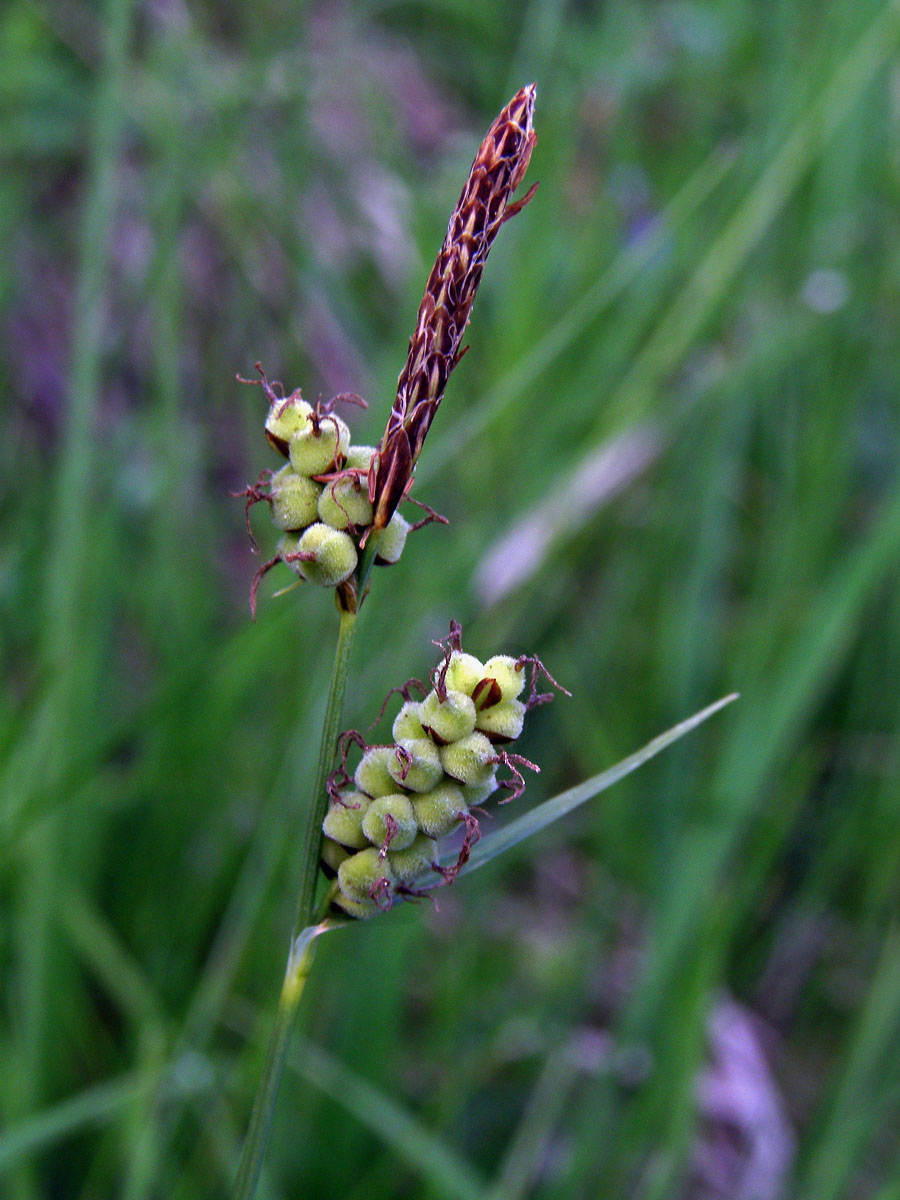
x=434, y=349
x=437, y=774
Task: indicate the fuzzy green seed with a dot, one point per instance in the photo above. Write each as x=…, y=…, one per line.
x=463, y=672
x=361, y=909
x=511, y=679
x=392, y=540
x=407, y=724
x=313, y=451
x=477, y=793
x=439, y=810
x=468, y=759
x=399, y=809
x=372, y=775
x=332, y=855
x=335, y=554
x=449, y=719
x=415, y=860
x=344, y=502
x=344, y=825
x=286, y=417
x=503, y=721
x=418, y=767
x=360, y=874
x=360, y=457
x=295, y=499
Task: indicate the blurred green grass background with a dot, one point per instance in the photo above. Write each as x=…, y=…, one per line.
x=670, y=461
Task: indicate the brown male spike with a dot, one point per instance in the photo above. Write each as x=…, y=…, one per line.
x=434, y=349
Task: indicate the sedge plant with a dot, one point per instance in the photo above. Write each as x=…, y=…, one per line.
x=373, y=828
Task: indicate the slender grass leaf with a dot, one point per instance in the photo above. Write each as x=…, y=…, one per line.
x=560, y=806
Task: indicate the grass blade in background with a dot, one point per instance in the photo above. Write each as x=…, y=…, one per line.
x=429, y=1156
x=867, y=1091
x=71, y=637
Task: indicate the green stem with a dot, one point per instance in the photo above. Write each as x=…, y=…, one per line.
x=303, y=937
x=315, y=813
